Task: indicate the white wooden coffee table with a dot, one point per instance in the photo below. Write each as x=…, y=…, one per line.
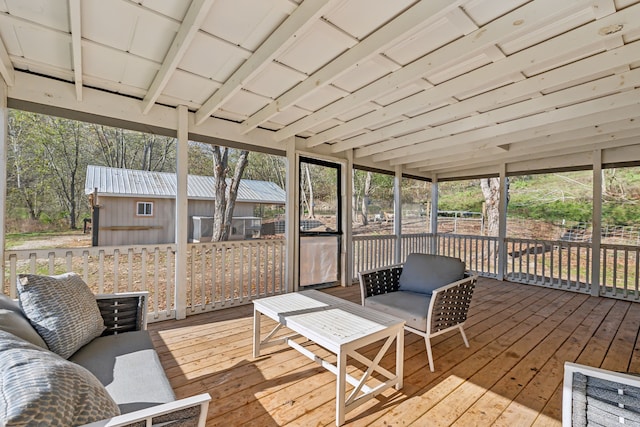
x=341, y=327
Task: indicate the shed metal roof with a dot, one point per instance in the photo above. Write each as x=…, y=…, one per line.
x=127, y=182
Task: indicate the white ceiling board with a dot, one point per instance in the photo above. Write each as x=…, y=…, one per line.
x=289, y=115
x=326, y=125
x=187, y=86
x=316, y=47
x=360, y=110
x=366, y=72
x=171, y=8
x=423, y=42
x=361, y=17
x=111, y=23
x=321, y=97
x=552, y=28
x=400, y=93
x=484, y=11
x=50, y=13
x=245, y=103
x=152, y=36
x=249, y=28
x=274, y=80
x=45, y=46
x=217, y=67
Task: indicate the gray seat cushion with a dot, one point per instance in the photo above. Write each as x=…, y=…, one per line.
x=424, y=273
x=129, y=368
x=410, y=306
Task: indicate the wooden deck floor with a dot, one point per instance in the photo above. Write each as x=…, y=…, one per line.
x=520, y=337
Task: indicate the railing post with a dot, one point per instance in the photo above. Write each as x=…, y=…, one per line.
x=596, y=221
x=434, y=215
x=4, y=140
x=397, y=213
x=502, y=224
x=182, y=165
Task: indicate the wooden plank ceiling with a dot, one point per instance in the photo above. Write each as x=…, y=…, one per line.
x=453, y=88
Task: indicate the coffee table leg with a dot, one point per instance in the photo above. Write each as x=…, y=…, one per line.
x=400, y=358
x=341, y=379
x=256, y=333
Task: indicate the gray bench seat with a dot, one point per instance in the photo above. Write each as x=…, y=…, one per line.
x=129, y=368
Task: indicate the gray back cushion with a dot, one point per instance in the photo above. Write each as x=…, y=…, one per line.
x=13, y=320
x=424, y=273
x=7, y=303
x=62, y=309
x=15, y=323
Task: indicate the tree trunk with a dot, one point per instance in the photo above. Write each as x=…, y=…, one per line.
x=232, y=192
x=220, y=169
x=491, y=191
x=310, y=202
x=225, y=195
x=365, y=199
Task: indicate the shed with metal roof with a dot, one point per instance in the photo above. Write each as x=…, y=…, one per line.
x=133, y=207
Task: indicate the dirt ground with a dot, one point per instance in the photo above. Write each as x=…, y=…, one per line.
x=78, y=240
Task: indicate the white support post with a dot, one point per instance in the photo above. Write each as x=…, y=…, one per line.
x=502, y=223
x=397, y=213
x=4, y=143
x=434, y=214
x=292, y=222
x=347, y=221
x=596, y=221
x=182, y=166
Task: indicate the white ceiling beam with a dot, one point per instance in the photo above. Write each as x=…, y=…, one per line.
x=572, y=72
x=532, y=15
x=76, y=44
x=556, y=100
x=419, y=15
x=437, y=60
x=303, y=17
x=537, y=149
x=616, y=151
x=56, y=97
x=421, y=151
x=547, y=133
x=6, y=67
x=196, y=14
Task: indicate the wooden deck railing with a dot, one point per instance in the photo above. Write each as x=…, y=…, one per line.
x=109, y=269
x=224, y=274
x=218, y=274
x=620, y=271
x=556, y=264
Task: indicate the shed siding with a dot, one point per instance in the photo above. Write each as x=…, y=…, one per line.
x=121, y=212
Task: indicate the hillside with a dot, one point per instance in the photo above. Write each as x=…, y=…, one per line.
x=557, y=197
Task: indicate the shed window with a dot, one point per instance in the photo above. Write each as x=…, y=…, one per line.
x=145, y=209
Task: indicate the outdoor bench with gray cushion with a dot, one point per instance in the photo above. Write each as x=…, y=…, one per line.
x=69, y=357
x=595, y=396
x=432, y=293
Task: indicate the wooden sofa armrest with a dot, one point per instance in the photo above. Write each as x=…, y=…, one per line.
x=184, y=410
x=379, y=281
x=123, y=312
